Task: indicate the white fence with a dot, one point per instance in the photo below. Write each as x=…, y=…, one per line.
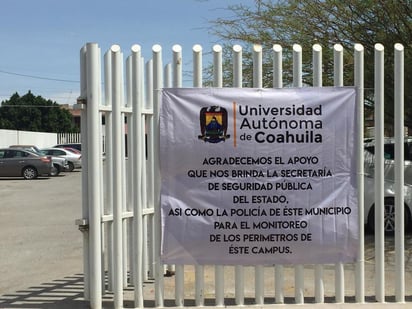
x=63, y=138
x=14, y=137
x=40, y=139
x=121, y=201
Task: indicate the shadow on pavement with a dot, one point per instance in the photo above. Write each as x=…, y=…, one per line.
x=66, y=293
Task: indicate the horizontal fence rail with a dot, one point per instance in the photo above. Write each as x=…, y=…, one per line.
x=121, y=221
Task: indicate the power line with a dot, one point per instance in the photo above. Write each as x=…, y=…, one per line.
x=40, y=77
x=32, y=106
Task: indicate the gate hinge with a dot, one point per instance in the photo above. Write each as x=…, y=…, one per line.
x=83, y=225
x=81, y=103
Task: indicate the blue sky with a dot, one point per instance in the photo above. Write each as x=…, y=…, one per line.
x=42, y=38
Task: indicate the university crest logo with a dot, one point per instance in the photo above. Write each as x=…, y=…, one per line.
x=213, y=124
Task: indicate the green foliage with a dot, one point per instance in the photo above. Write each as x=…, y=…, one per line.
x=34, y=113
x=324, y=22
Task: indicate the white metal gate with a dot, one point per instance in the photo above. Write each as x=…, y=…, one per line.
x=121, y=201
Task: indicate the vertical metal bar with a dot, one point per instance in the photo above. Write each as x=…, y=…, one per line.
x=130, y=169
x=144, y=128
x=115, y=55
x=257, y=83
x=177, y=66
x=338, y=65
x=399, y=175
x=128, y=83
x=157, y=86
x=237, y=82
x=317, y=65
x=101, y=183
x=93, y=163
x=137, y=159
x=257, y=66
x=278, y=83
x=317, y=82
x=197, y=66
x=338, y=82
x=359, y=84
x=124, y=179
x=237, y=66
x=150, y=175
x=167, y=75
x=149, y=84
x=297, y=66
x=218, y=82
x=143, y=178
x=379, y=174
x=297, y=82
x=277, y=66
x=217, y=66
x=108, y=167
x=85, y=186
x=169, y=269
x=125, y=246
x=177, y=83
x=197, y=82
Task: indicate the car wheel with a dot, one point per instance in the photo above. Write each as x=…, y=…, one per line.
x=71, y=166
x=55, y=170
x=29, y=173
x=388, y=217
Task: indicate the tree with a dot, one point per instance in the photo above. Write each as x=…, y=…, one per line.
x=34, y=113
x=327, y=22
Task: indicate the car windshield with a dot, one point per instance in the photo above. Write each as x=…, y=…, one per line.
x=389, y=151
x=72, y=150
x=34, y=151
x=37, y=149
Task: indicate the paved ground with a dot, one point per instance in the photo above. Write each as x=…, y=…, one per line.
x=41, y=253
x=40, y=246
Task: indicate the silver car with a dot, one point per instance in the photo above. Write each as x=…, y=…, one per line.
x=23, y=163
x=389, y=185
x=77, y=146
x=74, y=160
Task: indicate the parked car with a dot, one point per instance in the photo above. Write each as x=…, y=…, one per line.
x=77, y=146
x=23, y=163
x=59, y=164
x=73, y=150
x=389, y=162
x=389, y=205
x=74, y=160
x=389, y=185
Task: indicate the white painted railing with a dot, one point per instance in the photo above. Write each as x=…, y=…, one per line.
x=63, y=138
x=121, y=196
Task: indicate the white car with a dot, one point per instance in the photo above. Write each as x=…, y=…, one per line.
x=389, y=162
x=74, y=160
x=389, y=205
x=389, y=185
